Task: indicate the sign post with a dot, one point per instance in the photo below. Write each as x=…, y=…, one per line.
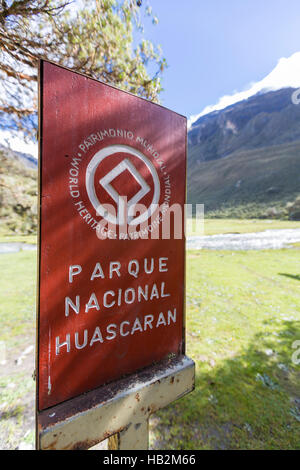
x=111, y=322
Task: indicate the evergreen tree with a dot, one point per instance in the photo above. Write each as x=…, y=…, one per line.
x=90, y=36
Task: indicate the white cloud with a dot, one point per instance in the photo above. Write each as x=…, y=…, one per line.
x=285, y=74
x=18, y=144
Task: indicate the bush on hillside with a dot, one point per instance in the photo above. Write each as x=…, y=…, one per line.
x=18, y=197
x=293, y=209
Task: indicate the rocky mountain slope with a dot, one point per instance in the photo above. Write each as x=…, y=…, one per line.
x=245, y=159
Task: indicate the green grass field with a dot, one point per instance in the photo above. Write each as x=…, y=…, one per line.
x=17, y=320
x=217, y=226
x=243, y=316
x=208, y=227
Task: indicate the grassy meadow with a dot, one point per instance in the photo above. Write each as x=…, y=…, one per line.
x=17, y=320
x=209, y=227
x=243, y=316
x=218, y=226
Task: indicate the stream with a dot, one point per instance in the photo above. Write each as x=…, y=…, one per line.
x=269, y=239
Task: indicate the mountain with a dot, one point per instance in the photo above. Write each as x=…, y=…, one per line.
x=285, y=74
x=245, y=158
x=243, y=161
x=24, y=158
x=18, y=192
x=11, y=137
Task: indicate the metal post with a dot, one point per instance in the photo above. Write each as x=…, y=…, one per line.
x=119, y=411
x=133, y=437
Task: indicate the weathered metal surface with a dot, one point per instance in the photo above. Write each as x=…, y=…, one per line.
x=120, y=410
x=98, y=320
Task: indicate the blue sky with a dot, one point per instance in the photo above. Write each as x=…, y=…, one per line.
x=217, y=47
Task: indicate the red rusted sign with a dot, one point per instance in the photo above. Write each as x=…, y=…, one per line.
x=111, y=284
